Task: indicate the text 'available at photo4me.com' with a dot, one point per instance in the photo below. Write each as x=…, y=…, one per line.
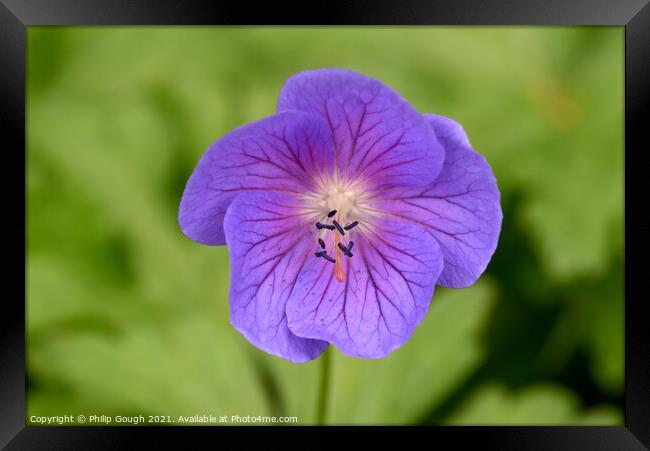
x=207, y=419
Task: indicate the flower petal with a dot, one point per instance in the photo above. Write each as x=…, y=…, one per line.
x=448, y=131
x=269, y=242
x=288, y=152
x=378, y=136
x=461, y=209
x=386, y=292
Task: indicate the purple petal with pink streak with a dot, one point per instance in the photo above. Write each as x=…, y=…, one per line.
x=269, y=243
x=378, y=136
x=461, y=209
x=386, y=292
x=289, y=152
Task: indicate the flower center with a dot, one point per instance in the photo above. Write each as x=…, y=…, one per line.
x=348, y=199
x=338, y=231
x=339, y=208
x=343, y=201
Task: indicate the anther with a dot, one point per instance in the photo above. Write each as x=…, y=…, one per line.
x=346, y=250
x=322, y=243
x=338, y=227
x=324, y=226
x=350, y=245
x=331, y=213
x=325, y=256
x=349, y=226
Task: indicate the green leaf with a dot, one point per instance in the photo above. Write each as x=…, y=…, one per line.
x=493, y=404
x=187, y=367
x=414, y=379
x=605, y=333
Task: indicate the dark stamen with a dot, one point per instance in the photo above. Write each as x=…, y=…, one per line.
x=350, y=245
x=325, y=256
x=349, y=226
x=346, y=250
x=338, y=226
x=322, y=243
x=331, y=213
x=324, y=226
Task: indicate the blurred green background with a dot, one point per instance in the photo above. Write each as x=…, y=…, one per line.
x=127, y=316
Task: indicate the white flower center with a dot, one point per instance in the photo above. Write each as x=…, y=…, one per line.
x=347, y=199
x=343, y=200
x=338, y=211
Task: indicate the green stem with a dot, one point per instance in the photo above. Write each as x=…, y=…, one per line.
x=325, y=371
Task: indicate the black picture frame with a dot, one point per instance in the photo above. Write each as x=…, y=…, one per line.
x=16, y=15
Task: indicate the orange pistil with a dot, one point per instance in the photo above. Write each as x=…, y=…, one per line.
x=338, y=266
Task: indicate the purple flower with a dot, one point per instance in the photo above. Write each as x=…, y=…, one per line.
x=341, y=212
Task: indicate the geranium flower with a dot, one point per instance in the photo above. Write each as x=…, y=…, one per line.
x=341, y=213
